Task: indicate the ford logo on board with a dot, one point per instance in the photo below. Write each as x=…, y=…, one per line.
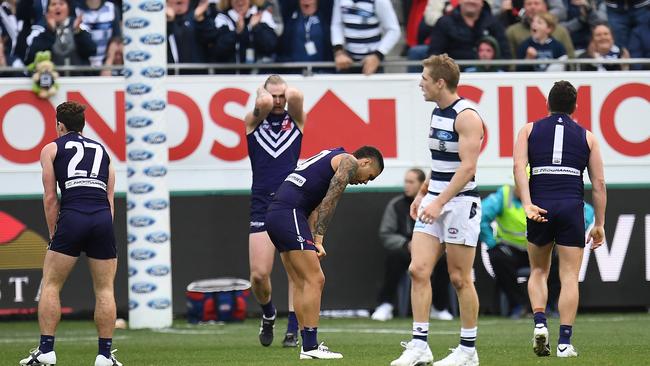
x=159, y=304
x=140, y=155
x=154, y=105
x=156, y=204
x=132, y=271
x=133, y=304
x=140, y=188
x=142, y=254
x=136, y=23
x=158, y=271
x=157, y=237
x=143, y=287
x=138, y=56
x=138, y=89
x=155, y=138
x=155, y=171
x=152, y=39
x=130, y=238
x=153, y=72
x=141, y=221
x=151, y=6
x=139, y=122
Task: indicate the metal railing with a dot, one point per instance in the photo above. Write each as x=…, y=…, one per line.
x=310, y=68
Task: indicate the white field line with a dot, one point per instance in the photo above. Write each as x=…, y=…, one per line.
x=322, y=330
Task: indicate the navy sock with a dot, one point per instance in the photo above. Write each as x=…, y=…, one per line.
x=310, y=339
x=540, y=318
x=269, y=310
x=565, y=334
x=105, y=347
x=47, y=343
x=292, y=326
x=302, y=334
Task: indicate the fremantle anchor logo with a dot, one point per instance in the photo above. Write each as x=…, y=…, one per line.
x=138, y=56
x=155, y=171
x=136, y=23
x=159, y=304
x=152, y=39
x=143, y=287
x=141, y=221
x=153, y=72
x=138, y=89
x=140, y=155
x=158, y=271
x=154, y=105
x=151, y=6
x=157, y=237
x=156, y=204
x=140, y=188
x=142, y=254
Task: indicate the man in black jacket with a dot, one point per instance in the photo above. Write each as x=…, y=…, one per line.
x=395, y=233
x=458, y=33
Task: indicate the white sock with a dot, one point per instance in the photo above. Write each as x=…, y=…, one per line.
x=468, y=335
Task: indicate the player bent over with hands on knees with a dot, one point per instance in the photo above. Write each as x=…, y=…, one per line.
x=297, y=220
x=558, y=151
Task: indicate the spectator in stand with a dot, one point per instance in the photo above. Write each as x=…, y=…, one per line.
x=306, y=35
x=245, y=32
x=102, y=18
x=9, y=30
x=458, y=33
x=602, y=46
x=188, y=31
x=541, y=45
x=114, y=56
x=29, y=14
x=363, y=31
x=487, y=49
x=511, y=11
x=64, y=35
x=582, y=16
x=519, y=32
x=624, y=16
x=640, y=45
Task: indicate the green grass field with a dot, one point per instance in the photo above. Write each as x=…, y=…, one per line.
x=603, y=339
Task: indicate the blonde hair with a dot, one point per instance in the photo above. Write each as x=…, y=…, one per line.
x=225, y=5
x=445, y=68
x=274, y=79
x=549, y=19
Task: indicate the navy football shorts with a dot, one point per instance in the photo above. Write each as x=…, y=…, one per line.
x=259, y=204
x=78, y=232
x=289, y=230
x=565, y=226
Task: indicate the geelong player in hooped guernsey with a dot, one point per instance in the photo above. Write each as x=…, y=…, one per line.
x=448, y=214
x=297, y=220
x=274, y=136
x=558, y=151
x=82, y=221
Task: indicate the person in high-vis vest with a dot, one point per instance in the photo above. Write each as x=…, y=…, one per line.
x=507, y=249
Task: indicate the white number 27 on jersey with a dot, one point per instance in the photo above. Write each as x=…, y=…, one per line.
x=79, y=155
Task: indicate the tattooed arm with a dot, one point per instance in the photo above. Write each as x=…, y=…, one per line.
x=346, y=170
x=263, y=106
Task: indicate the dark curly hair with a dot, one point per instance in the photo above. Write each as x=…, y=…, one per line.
x=71, y=114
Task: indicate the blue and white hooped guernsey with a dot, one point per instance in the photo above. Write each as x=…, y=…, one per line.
x=443, y=145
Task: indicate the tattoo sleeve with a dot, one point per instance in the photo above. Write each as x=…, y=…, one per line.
x=346, y=170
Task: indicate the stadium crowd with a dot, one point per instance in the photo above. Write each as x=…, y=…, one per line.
x=89, y=32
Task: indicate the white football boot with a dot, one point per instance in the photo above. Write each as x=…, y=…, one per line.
x=541, y=345
x=383, y=312
x=459, y=357
x=566, y=350
x=320, y=353
x=416, y=353
x=38, y=358
x=101, y=360
x=440, y=314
